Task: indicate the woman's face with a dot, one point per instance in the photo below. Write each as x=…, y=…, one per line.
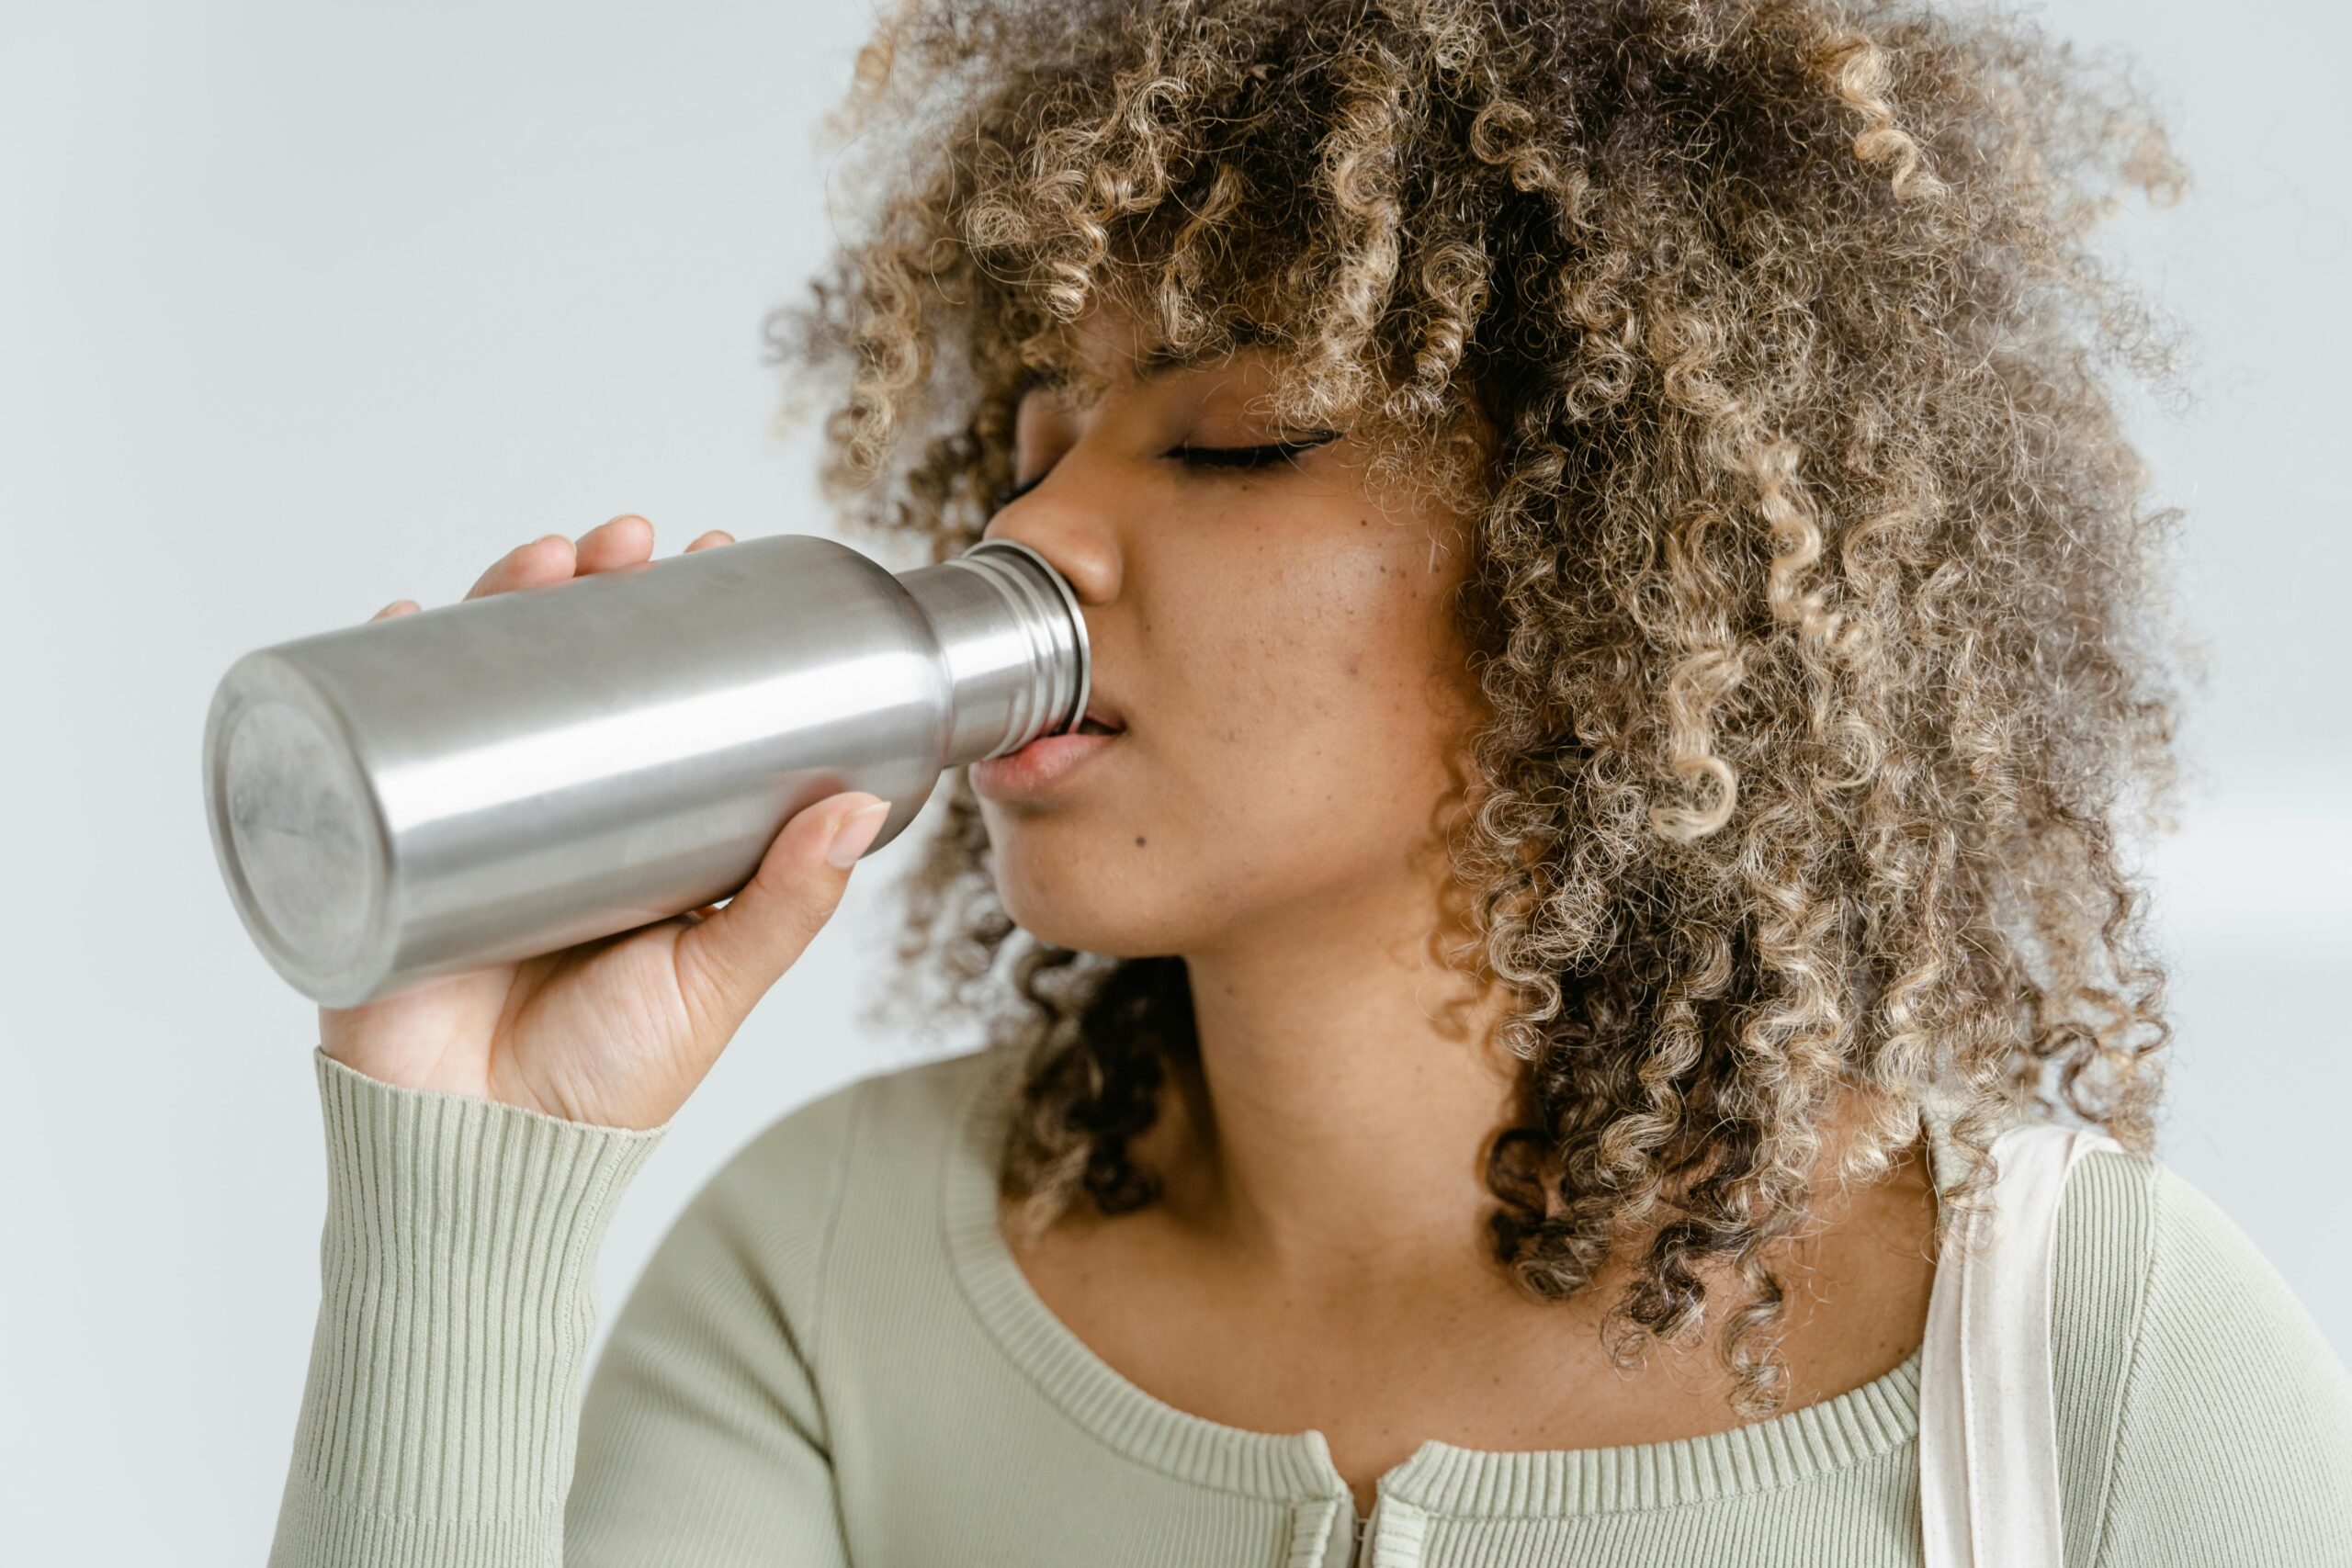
x=1275, y=642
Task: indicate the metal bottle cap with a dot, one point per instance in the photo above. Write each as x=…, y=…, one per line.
x=1057, y=631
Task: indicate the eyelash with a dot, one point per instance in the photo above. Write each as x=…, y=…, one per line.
x=1260, y=457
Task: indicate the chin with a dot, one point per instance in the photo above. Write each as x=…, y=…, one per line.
x=1070, y=899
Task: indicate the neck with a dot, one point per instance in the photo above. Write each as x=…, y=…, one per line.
x=1332, y=1139
x=1332, y=1135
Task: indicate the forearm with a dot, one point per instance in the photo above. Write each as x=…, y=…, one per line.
x=440, y=1415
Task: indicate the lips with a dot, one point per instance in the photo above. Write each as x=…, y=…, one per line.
x=1046, y=761
x=1040, y=767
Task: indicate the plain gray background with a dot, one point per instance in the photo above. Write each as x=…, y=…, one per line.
x=308, y=308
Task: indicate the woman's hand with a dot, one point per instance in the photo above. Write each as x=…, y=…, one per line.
x=619, y=1031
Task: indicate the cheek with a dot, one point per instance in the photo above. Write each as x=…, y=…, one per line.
x=1313, y=680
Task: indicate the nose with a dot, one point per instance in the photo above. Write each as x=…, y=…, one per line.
x=1057, y=519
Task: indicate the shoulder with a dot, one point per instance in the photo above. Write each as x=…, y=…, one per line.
x=2197, y=1399
x=818, y=1141
x=719, y=1374
x=795, y=1171
x=770, y=1216
x=2143, y=1249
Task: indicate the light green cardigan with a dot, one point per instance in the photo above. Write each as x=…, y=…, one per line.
x=833, y=1358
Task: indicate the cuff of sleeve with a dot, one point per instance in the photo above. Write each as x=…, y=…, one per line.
x=459, y=1299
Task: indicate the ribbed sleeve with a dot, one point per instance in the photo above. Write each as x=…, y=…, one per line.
x=458, y=1302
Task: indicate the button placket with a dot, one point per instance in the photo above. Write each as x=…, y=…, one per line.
x=1314, y=1526
x=1398, y=1535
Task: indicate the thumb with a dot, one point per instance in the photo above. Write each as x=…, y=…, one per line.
x=727, y=961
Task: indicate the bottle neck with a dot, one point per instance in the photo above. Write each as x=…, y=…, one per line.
x=1014, y=643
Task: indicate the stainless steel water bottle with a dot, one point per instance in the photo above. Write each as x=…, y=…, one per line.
x=502, y=777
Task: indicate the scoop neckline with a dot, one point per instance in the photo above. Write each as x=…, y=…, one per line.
x=1840, y=1432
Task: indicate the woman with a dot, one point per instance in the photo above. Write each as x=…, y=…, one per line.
x=1625, y=628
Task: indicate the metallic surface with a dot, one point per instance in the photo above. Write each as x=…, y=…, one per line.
x=506, y=776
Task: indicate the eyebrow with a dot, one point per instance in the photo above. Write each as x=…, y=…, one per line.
x=1154, y=364
x=1159, y=362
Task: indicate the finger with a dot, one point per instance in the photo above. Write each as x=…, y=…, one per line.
x=544, y=559
x=728, y=961
x=624, y=541
x=711, y=541
x=397, y=607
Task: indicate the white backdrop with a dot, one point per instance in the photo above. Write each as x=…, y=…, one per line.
x=307, y=308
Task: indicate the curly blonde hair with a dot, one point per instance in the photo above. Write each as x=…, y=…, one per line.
x=1762, y=344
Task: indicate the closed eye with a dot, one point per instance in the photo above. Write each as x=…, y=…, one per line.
x=1249, y=457
x=1258, y=456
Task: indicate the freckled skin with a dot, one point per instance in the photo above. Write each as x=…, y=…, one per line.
x=1280, y=643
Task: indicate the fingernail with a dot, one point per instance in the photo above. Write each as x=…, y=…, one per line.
x=856, y=831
